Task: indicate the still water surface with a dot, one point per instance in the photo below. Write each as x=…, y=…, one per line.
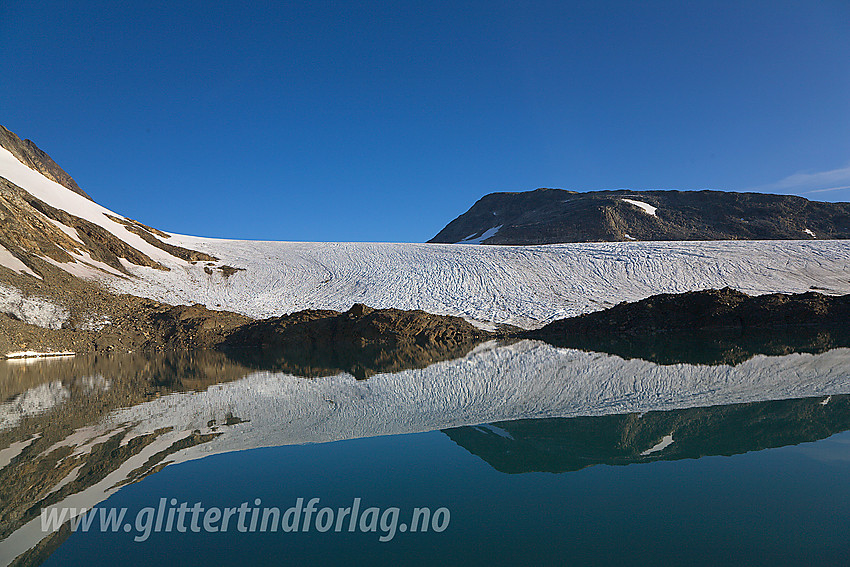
x=536, y=455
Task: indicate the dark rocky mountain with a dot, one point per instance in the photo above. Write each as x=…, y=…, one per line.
x=34, y=157
x=550, y=216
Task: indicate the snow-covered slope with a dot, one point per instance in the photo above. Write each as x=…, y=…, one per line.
x=522, y=285
x=62, y=198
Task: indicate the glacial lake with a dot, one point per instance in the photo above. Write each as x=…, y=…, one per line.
x=512, y=454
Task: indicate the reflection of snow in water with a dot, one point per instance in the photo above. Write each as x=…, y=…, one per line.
x=660, y=446
x=15, y=449
x=32, y=402
x=523, y=381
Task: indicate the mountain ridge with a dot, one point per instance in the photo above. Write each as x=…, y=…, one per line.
x=554, y=216
x=37, y=159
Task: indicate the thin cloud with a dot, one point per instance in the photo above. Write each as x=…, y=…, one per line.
x=817, y=182
x=827, y=189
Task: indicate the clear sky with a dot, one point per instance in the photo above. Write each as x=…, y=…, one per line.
x=379, y=121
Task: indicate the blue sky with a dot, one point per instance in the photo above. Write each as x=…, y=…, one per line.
x=383, y=121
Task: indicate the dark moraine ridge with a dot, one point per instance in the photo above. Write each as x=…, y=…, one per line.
x=708, y=327
x=362, y=341
x=711, y=309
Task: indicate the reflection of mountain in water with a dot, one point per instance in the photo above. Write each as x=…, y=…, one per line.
x=560, y=445
x=317, y=360
x=51, y=447
x=709, y=346
x=75, y=431
x=362, y=341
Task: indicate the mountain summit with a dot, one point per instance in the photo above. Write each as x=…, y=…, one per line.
x=550, y=216
x=36, y=159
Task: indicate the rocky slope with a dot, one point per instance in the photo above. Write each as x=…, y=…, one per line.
x=35, y=158
x=549, y=216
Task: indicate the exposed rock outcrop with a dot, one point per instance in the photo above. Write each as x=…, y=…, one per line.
x=362, y=341
x=33, y=157
x=708, y=327
x=712, y=309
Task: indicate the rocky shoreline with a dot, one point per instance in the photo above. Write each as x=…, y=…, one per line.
x=722, y=326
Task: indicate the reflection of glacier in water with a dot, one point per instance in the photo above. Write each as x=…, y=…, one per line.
x=522, y=381
x=526, y=380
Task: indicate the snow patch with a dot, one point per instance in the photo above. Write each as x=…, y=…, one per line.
x=70, y=231
x=32, y=310
x=83, y=265
x=95, y=323
x=36, y=354
x=9, y=260
x=646, y=207
x=487, y=234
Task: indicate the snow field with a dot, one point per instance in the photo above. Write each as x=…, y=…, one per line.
x=522, y=285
